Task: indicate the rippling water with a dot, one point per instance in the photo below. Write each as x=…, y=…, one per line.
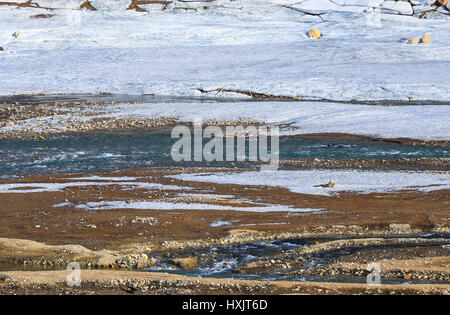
x=110, y=151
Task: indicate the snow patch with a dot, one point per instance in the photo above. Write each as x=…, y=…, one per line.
x=308, y=182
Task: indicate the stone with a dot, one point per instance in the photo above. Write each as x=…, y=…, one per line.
x=425, y=39
x=412, y=41
x=2, y=49
x=314, y=33
x=185, y=263
x=443, y=2
x=9, y=124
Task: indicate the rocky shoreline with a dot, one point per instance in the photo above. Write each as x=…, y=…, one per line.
x=126, y=282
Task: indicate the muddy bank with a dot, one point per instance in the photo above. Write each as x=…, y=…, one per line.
x=23, y=117
x=58, y=214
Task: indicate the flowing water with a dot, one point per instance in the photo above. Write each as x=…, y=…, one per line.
x=111, y=151
x=225, y=259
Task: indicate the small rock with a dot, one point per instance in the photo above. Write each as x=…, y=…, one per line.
x=9, y=124
x=2, y=49
x=314, y=33
x=413, y=41
x=425, y=39
x=105, y=262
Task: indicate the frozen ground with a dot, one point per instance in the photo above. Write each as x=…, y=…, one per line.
x=251, y=45
x=427, y=122
x=308, y=182
x=416, y=122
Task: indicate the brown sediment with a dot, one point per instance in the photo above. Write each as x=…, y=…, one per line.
x=32, y=215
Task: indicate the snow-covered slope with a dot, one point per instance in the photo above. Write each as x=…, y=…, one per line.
x=178, y=47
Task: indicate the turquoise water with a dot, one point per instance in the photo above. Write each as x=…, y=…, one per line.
x=111, y=151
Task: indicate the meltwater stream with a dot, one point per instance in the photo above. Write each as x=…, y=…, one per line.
x=221, y=262
x=118, y=150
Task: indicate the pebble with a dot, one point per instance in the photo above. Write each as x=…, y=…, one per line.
x=425, y=39
x=412, y=41
x=314, y=33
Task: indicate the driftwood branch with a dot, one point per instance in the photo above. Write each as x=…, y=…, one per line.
x=249, y=93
